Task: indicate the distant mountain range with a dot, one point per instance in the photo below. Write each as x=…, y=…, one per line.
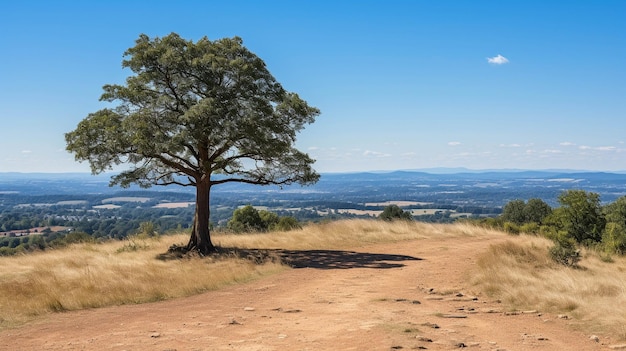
x=82, y=183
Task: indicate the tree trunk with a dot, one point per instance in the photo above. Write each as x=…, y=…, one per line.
x=200, y=240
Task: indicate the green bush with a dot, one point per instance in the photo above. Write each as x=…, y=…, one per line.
x=511, y=228
x=614, y=238
x=246, y=219
x=287, y=223
x=565, y=252
x=249, y=219
x=393, y=212
x=77, y=237
x=530, y=228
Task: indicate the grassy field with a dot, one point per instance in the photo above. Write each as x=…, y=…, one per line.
x=518, y=272
x=129, y=272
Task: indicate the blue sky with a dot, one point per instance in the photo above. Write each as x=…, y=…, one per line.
x=401, y=84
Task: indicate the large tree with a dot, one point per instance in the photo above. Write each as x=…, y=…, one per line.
x=196, y=114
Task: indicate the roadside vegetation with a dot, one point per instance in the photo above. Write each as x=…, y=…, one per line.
x=581, y=221
x=521, y=273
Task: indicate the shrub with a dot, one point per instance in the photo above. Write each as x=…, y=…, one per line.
x=78, y=237
x=246, y=219
x=393, y=212
x=565, y=252
x=531, y=228
x=614, y=238
x=287, y=223
x=511, y=228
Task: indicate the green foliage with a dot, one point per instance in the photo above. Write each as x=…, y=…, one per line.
x=287, y=223
x=614, y=238
x=191, y=110
x=511, y=228
x=520, y=212
x=393, y=212
x=269, y=219
x=513, y=212
x=530, y=228
x=249, y=219
x=77, y=237
x=246, y=219
x=490, y=222
x=565, y=252
x=536, y=210
x=581, y=216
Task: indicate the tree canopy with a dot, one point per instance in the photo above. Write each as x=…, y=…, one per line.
x=393, y=212
x=196, y=114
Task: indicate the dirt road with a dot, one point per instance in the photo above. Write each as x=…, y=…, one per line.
x=402, y=296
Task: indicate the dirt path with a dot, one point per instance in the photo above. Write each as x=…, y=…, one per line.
x=409, y=295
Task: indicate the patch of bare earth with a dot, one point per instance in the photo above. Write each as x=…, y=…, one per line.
x=400, y=296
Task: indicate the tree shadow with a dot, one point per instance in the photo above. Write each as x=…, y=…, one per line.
x=322, y=259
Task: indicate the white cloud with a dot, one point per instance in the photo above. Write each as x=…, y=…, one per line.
x=454, y=143
x=510, y=145
x=598, y=148
x=606, y=148
x=567, y=143
x=498, y=60
x=314, y=148
x=369, y=153
x=27, y=152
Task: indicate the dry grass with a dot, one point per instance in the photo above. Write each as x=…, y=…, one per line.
x=349, y=234
x=520, y=273
x=96, y=275
x=128, y=272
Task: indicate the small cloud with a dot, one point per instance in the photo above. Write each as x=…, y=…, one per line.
x=454, y=143
x=606, y=148
x=369, y=153
x=584, y=147
x=567, y=143
x=314, y=148
x=27, y=152
x=498, y=60
x=510, y=145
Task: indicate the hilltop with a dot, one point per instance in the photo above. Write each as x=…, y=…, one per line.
x=358, y=285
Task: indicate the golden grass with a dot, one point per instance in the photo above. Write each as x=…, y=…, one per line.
x=96, y=275
x=517, y=271
x=520, y=273
x=349, y=234
x=127, y=272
